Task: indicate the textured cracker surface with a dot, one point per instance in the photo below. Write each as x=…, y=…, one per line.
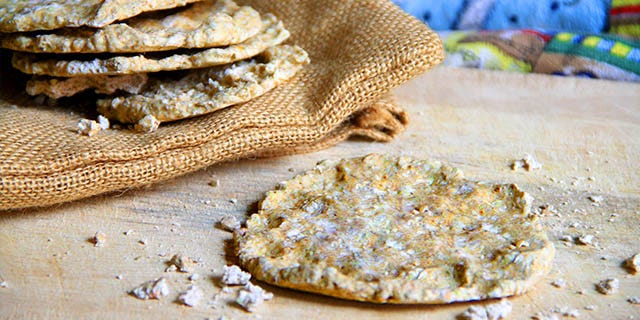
x=206, y=90
x=395, y=230
x=272, y=33
x=66, y=87
x=204, y=24
x=33, y=15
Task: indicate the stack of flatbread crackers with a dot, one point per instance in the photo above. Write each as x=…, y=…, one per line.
x=149, y=61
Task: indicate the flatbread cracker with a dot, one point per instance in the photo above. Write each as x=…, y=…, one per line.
x=206, y=90
x=205, y=24
x=272, y=34
x=395, y=230
x=33, y=15
x=66, y=87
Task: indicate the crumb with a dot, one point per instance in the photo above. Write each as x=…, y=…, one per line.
x=119, y=277
x=229, y=223
x=233, y=275
x=154, y=289
x=608, y=286
x=590, y=307
x=567, y=312
x=3, y=283
x=183, y=263
x=251, y=296
x=103, y=122
x=214, y=183
x=584, y=240
x=596, y=199
x=633, y=264
x=566, y=238
x=194, y=277
x=233, y=200
x=171, y=268
x=88, y=127
x=291, y=170
x=191, y=297
x=559, y=283
x=142, y=242
x=128, y=232
x=528, y=163
x=147, y=124
x=99, y=239
x=493, y=311
x=634, y=300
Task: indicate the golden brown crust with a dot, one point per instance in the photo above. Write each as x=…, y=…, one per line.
x=33, y=15
x=272, y=33
x=395, y=230
x=205, y=24
x=206, y=90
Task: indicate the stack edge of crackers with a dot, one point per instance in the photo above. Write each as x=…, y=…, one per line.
x=148, y=61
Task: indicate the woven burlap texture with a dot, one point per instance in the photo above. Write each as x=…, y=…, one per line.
x=359, y=51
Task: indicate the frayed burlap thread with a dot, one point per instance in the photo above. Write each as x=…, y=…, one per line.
x=359, y=51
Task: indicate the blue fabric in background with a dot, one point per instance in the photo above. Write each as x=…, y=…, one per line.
x=585, y=16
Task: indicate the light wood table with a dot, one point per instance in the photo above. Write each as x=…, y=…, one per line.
x=586, y=134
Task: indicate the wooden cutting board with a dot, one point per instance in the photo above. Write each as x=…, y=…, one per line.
x=586, y=133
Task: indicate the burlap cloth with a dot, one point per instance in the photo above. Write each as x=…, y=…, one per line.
x=359, y=50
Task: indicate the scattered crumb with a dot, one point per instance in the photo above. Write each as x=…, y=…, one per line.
x=147, y=124
x=3, y=283
x=194, y=277
x=634, y=300
x=128, y=232
x=596, y=199
x=251, y=296
x=608, y=286
x=559, y=283
x=103, y=122
x=528, y=163
x=119, y=277
x=495, y=311
x=191, y=297
x=633, y=264
x=230, y=223
x=584, y=240
x=233, y=275
x=567, y=312
x=590, y=307
x=171, y=268
x=142, y=242
x=214, y=183
x=88, y=127
x=183, y=263
x=566, y=238
x=233, y=200
x=154, y=289
x=99, y=239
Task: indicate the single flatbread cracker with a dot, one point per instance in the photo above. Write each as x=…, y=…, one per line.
x=33, y=15
x=205, y=24
x=206, y=90
x=65, y=87
x=272, y=34
x=395, y=230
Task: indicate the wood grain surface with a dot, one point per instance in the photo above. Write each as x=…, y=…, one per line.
x=586, y=133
